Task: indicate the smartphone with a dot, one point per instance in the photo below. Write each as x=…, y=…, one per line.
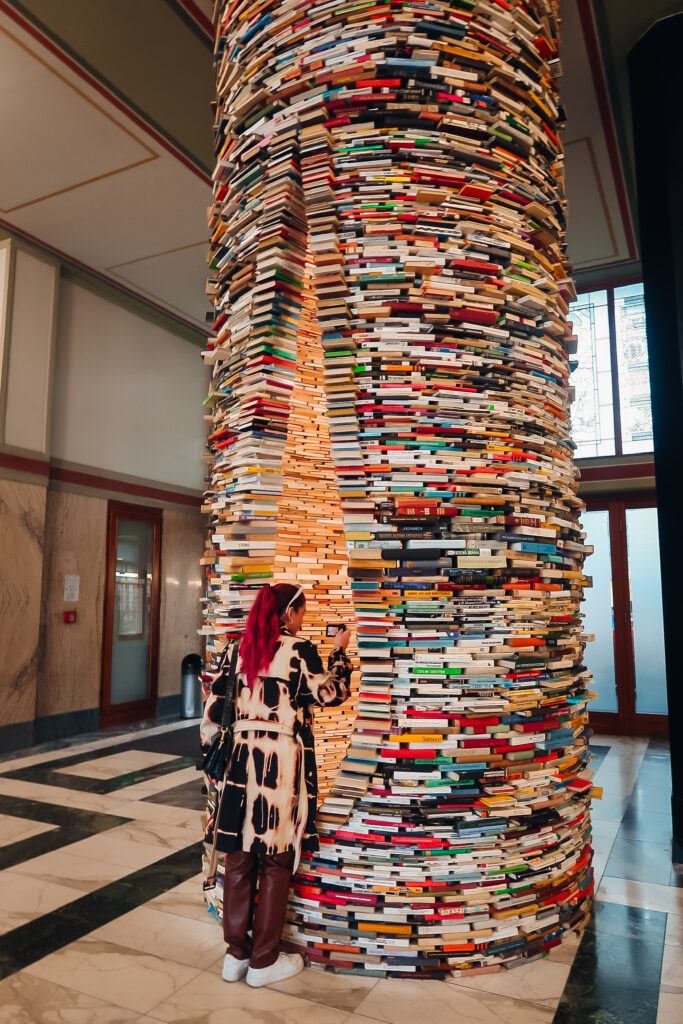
x=333, y=630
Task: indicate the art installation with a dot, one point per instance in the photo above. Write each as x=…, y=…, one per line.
x=390, y=427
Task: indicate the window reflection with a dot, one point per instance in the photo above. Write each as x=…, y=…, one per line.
x=593, y=413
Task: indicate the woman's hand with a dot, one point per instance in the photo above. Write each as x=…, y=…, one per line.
x=342, y=638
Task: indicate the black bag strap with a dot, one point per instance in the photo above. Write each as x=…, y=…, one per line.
x=230, y=686
x=210, y=881
x=221, y=660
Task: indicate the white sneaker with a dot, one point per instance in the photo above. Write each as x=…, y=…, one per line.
x=286, y=966
x=234, y=969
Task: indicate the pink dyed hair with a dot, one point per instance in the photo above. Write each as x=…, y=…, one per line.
x=262, y=629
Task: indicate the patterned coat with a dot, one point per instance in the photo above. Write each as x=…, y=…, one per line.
x=259, y=807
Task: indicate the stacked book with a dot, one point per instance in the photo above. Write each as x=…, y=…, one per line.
x=395, y=173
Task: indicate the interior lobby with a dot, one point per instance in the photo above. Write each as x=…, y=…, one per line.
x=113, y=535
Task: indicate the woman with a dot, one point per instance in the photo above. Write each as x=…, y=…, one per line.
x=268, y=807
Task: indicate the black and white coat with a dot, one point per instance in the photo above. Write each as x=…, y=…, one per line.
x=259, y=808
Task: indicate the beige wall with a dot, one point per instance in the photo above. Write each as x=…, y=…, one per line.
x=22, y=528
x=75, y=543
x=117, y=397
x=182, y=545
x=127, y=393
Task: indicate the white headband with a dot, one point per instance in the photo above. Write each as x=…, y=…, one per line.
x=299, y=591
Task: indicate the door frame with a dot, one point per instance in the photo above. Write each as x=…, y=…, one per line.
x=135, y=710
x=626, y=721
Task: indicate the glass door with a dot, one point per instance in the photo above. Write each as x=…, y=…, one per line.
x=131, y=614
x=624, y=612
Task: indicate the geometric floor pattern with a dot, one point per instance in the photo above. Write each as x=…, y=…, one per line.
x=102, y=919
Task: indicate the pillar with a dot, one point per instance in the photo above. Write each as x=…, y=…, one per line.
x=656, y=79
x=414, y=152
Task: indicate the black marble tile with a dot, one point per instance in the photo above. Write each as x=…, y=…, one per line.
x=676, y=876
x=16, y=737
x=615, y=975
x=190, y=795
x=658, y=745
x=37, y=939
x=71, y=723
x=644, y=824
x=639, y=861
x=181, y=742
x=652, y=794
x=52, y=773
x=73, y=824
x=625, y=922
x=122, y=734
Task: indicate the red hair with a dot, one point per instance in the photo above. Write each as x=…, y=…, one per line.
x=262, y=630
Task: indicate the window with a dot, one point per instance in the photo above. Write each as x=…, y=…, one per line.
x=592, y=411
x=611, y=414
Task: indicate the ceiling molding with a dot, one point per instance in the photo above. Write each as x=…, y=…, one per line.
x=587, y=20
x=89, y=75
x=105, y=285
x=193, y=15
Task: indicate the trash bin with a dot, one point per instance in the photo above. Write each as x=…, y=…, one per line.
x=190, y=686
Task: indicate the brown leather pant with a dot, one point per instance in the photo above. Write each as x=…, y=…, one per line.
x=241, y=912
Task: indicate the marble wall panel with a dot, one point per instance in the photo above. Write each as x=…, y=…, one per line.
x=183, y=538
x=22, y=535
x=75, y=544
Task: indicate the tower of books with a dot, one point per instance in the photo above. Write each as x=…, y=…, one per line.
x=387, y=234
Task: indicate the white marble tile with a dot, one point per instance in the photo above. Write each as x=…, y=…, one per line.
x=162, y=814
x=620, y=744
x=186, y=900
x=55, y=795
x=604, y=834
x=150, y=930
x=402, y=1001
x=207, y=999
x=108, y=848
x=599, y=865
x=23, y=898
x=616, y=780
x=357, y=1018
x=163, y=782
x=66, y=869
x=344, y=992
x=609, y=809
x=164, y=836
x=125, y=977
x=13, y=830
x=541, y=981
x=114, y=765
x=26, y=999
x=674, y=931
x=670, y=1008
x=649, y=895
x=672, y=967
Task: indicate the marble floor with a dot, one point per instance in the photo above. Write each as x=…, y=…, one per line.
x=102, y=919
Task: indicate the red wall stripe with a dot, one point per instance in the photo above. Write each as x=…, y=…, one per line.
x=631, y=471
x=105, y=483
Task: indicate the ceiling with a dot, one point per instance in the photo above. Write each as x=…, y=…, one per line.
x=107, y=107
x=90, y=172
